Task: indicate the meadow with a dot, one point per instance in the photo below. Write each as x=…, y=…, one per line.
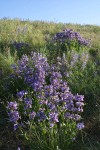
x=49, y=86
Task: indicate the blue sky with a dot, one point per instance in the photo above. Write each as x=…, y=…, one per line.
x=66, y=11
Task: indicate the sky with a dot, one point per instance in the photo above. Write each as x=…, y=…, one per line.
x=65, y=11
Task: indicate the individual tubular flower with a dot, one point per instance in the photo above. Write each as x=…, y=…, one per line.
x=79, y=104
x=16, y=126
x=21, y=94
x=80, y=126
x=53, y=117
x=28, y=103
x=79, y=98
x=32, y=115
x=12, y=105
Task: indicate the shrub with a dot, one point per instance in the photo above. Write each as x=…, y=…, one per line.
x=45, y=110
x=64, y=43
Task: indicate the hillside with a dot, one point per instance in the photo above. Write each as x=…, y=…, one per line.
x=35, y=32
x=50, y=99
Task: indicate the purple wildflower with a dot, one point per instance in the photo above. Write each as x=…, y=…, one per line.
x=69, y=35
x=32, y=115
x=41, y=115
x=52, y=96
x=79, y=98
x=12, y=105
x=14, y=116
x=79, y=104
x=28, y=103
x=53, y=117
x=77, y=117
x=21, y=94
x=15, y=126
x=80, y=125
x=18, y=148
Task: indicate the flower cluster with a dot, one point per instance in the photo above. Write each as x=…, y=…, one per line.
x=20, y=45
x=69, y=35
x=51, y=99
x=13, y=113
